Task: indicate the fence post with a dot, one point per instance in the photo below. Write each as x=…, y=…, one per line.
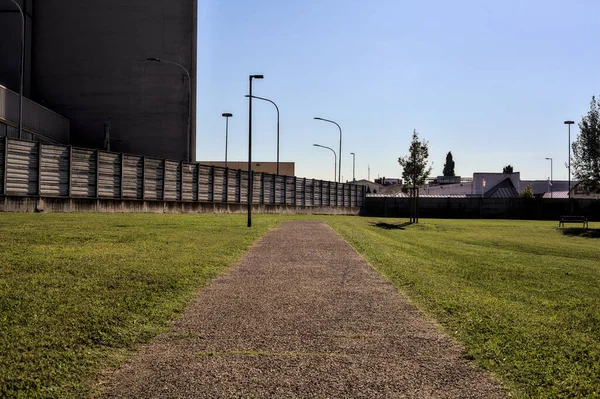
x=284, y=190
x=273, y=189
x=295, y=191
x=212, y=184
x=39, y=180
x=312, y=197
x=304, y=192
x=121, y=190
x=180, y=180
x=226, y=185
x=197, y=182
x=320, y=192
x=262, y=188
x=97, y=173
x=143, y=177
x=239, y=185
x=4, y=171
x=70, y=183
x=336, y=194
x=164, y=196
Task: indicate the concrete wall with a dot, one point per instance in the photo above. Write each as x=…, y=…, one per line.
x=484, y=208
x=68, y=205
x=90, y=65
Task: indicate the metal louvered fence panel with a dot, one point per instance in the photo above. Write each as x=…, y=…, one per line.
x=33, y=169
x=54, y=170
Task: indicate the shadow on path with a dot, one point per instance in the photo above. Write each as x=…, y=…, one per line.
x=391, y=226
x=581, y=232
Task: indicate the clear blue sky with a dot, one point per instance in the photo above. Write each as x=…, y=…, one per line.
x=491, y=81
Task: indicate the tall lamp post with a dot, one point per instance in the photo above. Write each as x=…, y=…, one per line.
x=22, y=69
x=551, y=177
x=353, y=165
x=569, y=123
x=189, y=118
x=250, y=179
x=226, y=115
x=340, y=161
x=334, y=158
x=277, y=108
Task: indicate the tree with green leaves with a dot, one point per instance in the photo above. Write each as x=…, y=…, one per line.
x=508, y=169
x=527, y=192
x=414, y=165
x=449, y=165
x=586, y=149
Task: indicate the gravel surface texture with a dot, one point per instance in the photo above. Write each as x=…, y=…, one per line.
x=302, y=315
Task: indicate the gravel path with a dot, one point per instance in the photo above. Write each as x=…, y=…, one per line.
x=302, y=315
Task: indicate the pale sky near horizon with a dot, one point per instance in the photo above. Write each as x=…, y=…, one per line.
x=491, y=81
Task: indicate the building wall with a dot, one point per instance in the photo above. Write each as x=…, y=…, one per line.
x=10, y=44
x=89, y=64
x=285, y=168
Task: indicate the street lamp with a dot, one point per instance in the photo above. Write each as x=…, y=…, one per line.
x=551, y=177
x=22, y=69
x=277, y=108
x=250, y=179
x=340, y=161
x=226, y=115
x=334, y=158
x=353, y=165
x=569, y=123
x=189, y=118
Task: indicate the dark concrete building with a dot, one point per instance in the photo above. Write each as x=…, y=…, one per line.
x=87, y=60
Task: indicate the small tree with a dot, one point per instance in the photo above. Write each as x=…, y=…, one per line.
x=527, y=192
x=508, y=169
x=449, y=165
x=414, y=165
x=586, y=149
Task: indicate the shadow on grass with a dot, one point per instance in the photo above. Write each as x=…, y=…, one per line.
x=390, y=226
x=581, y=232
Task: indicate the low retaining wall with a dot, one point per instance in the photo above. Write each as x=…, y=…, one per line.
x=105, y=205
x=484, y=208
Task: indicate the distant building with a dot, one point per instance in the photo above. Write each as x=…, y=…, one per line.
x=285, y=168
x=388, y=181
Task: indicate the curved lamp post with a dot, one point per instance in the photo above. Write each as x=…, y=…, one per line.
x=334, y=158
x=250, y=179
x=189, y=118
x=551, y=177
x=340, y=161
x=569, y=123
x=22, y=68
x=353, y=165
x=277, y=108
x=226, y=115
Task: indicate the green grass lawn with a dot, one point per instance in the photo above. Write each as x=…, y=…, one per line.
x=78, y=291
x=522, y=296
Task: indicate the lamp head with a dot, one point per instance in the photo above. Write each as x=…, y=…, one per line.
x=153, y=59
x=352, y=153
x=227, y=115
x=569, y=122
x=257, y=77
x=317, y=118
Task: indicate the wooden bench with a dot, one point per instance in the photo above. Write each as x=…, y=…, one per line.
x=573, y=219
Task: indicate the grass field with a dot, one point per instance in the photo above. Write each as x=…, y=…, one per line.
x=77, y=291
x=522, y=296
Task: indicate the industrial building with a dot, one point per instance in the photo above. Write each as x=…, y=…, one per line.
x=87, y=61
